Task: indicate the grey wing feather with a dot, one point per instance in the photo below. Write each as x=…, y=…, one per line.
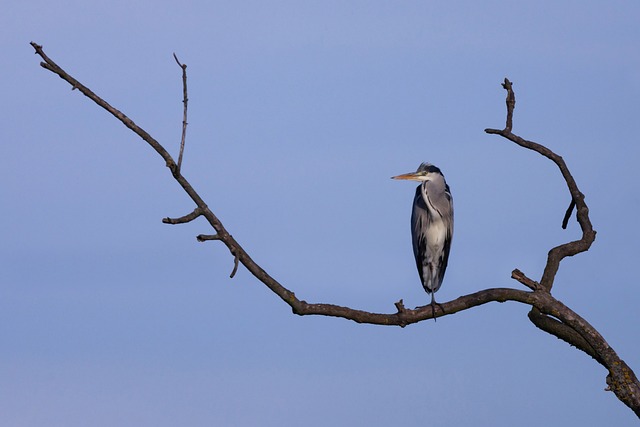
x=419, y=221
x=447, y=241
x=449, y=237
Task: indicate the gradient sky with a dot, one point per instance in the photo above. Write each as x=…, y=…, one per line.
x=299, y=112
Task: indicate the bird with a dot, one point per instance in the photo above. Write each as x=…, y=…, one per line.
x=431, y=226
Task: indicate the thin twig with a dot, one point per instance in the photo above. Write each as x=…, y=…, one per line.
x=183, y=219
x=185, y=100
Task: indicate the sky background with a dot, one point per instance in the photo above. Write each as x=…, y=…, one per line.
x=299, y=112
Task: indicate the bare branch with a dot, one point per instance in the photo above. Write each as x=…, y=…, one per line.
x=547, y=313
x=621, y=378
x=54, y=68
x=223, y=235
x=405, y=316
x=185, y=100
x=571, y=327
x=557, y=254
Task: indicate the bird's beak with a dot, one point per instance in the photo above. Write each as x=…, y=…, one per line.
x=412, y=176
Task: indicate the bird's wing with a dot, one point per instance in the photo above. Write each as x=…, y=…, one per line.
x=449, y=236
x=419, y=222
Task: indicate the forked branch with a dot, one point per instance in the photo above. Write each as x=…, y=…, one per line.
x=547, y=313
x=558, y=253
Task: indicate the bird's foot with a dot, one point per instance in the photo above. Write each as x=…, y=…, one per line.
x=433, y=308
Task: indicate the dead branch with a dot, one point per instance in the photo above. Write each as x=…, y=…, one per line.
x=571, y=327
x=558, y=253
x=548, y=313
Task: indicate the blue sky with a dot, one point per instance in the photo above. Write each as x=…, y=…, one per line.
x=299, y=112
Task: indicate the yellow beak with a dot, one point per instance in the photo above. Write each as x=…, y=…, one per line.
x=412, y=176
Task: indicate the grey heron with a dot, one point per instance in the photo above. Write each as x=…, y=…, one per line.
x=431, y=226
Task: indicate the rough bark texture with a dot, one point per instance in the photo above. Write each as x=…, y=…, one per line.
x=547, y=313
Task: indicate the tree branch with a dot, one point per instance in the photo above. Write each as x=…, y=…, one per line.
x=558, y=253
x=571, y=327
x=54, y=68
x=547, y=313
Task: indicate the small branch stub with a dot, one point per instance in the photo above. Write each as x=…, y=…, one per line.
x=235, y=265
x=401, y=312
x=511, y=103
x=567, y=214
x=522, y=278
x=205, y=237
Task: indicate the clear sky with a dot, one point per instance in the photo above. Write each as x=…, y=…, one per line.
x=300, y=111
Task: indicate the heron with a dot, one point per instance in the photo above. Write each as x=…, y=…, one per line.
x=431, y=226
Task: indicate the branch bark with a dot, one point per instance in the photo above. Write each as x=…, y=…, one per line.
x=547, y=313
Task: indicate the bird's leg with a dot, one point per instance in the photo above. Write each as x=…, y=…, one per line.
x=433, y=306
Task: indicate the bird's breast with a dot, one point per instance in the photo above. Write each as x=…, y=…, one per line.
x=436, y=233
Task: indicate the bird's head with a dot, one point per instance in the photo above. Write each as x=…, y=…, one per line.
x=425, y=172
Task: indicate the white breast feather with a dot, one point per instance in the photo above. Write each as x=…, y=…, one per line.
x=435, y=236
